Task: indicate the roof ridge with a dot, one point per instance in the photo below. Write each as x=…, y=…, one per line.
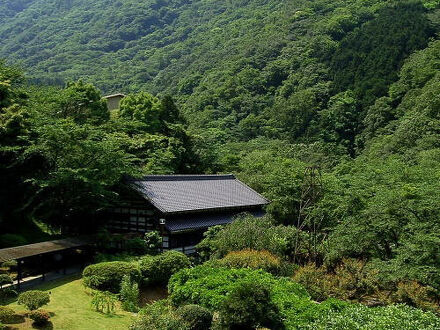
x=186, y=177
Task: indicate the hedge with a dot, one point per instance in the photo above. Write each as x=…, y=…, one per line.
x=158, y=269
x=107, y=276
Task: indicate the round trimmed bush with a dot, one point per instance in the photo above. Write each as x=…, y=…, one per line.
x=6, y=314
x=158, y=269
x=40, y=317
x=107, y=276
x=33, y=299
x=195, y=317
x=248, y=306
x=5, y=279
x=254, y=260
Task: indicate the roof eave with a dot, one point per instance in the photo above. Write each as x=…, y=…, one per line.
x=215, y=209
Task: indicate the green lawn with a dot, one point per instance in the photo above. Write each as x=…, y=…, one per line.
x=70, y=304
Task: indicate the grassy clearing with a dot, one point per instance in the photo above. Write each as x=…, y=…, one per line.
x=70, y=305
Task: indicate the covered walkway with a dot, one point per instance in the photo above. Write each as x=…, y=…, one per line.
x=48, y=258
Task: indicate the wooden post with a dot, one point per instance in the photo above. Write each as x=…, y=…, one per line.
x=63, y=260
x=42, y=268
x=19, y=261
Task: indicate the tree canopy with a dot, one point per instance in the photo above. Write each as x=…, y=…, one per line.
x=265, y=89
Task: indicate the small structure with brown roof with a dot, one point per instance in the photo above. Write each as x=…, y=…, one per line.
x=114, y=101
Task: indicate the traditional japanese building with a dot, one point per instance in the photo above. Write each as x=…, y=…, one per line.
x=182, y=207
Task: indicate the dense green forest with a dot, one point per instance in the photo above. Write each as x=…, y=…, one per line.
x=331, y=109
x=237, y=68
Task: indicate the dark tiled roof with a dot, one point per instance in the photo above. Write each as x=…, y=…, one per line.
x=186, y=193
x=199, y=221
x=30, y=250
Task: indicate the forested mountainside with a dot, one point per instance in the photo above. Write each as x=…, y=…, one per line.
x=244, y=67
x=340, y=97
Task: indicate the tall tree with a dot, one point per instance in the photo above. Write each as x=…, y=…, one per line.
x=83, y=103
x=13, y=127
x=143, y=107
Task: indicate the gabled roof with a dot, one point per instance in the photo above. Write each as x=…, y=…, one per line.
x=188, y=193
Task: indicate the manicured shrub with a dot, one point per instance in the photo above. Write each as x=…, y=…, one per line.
x=6, y=293
x=10, y=264
x=104, y=302
x=208, y=286
x=107, y=257
x=8, y=240
x=5, y=279
x=254, y=260
x=158, y=316
x=195, y=317
x=248, y=306
x=40, y=317
x=6, y=314
x=129, y=294
x=158, y=269
x=107, y=276
x=33, y=299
